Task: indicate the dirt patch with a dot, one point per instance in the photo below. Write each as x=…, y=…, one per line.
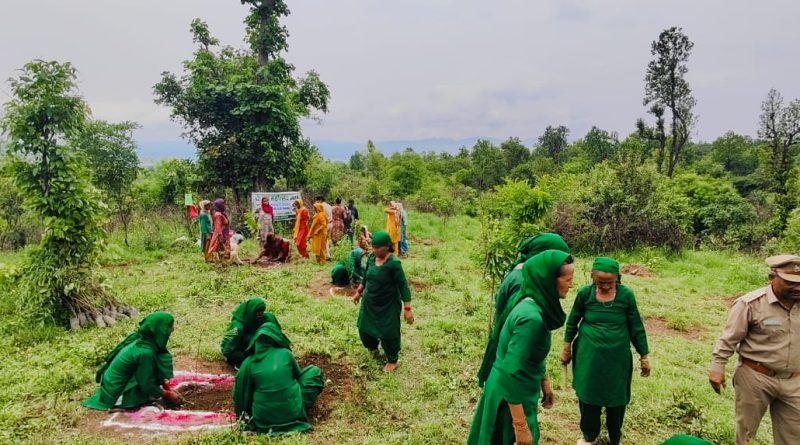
x=417, y=285
x=216, y=399
x=424, y=241
x=340, y=385
x=263, y=263
x=637, y=270
x=322, y=289
x=657, y=325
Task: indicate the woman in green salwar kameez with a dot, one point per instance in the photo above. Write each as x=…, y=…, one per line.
x=353, y=272
x=385, y=294
x=271, y=393
x=137, y=367
x=507, y=410
x=601, y=327
x=245, y=321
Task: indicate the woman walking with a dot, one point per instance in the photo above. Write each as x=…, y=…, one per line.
x=220, y=238
x=206, y=228
x=319, y=233
x=403, y=244
x=385, y=295
x=300, y=233
x=393, y=225
x=507, y=411
x=601, y=327
x=337, y=229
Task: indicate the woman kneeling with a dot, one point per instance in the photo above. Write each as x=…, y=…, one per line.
x=272, y=394
x=137, y=367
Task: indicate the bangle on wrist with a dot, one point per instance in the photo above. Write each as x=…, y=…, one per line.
x=407, y=308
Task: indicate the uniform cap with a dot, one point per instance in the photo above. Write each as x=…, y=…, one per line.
x=786, y=266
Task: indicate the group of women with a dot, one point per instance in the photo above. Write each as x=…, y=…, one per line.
x=215, y=236
x=271, y=394
x=603, y=324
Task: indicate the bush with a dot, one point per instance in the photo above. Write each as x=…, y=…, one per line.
x=618, y=207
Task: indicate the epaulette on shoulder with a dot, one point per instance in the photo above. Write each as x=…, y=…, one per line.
x=754, y=295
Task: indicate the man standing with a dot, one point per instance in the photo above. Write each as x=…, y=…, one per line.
x=329, y=213
x=351, y=216
x=764, y=327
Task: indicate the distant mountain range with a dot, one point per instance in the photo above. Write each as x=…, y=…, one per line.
x=151, y=152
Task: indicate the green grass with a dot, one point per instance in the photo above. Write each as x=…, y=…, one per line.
x=46, y=372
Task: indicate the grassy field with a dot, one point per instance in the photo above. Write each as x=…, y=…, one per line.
x=46, y=372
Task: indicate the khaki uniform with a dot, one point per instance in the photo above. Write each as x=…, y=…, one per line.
x=763, y=331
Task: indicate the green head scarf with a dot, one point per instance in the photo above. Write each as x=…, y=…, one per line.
x=540, y=273
x=267, y=337
x=381, y=239
x=245, y=314
x=537, y=244
x=154, y=330
x=605, y=264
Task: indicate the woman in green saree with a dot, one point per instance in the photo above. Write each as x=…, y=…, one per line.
x=271, y=393
x=507, y=410
x=137, y=367
x=353, y=272
x=245, y=321
x=601, y=327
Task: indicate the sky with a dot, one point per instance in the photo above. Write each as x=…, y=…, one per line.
x=423, y=69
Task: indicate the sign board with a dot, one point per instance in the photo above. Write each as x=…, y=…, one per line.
x=281, y=202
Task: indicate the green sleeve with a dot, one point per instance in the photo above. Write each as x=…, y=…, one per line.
x=242, y=393
x=295, y=367
x=232, y=347
x=576, y=314
x=636, y=327
x=147, y=374
x=402, y=283
x=525, y=347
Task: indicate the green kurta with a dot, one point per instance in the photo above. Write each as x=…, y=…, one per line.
x=339, y=275
x=137, y=367
x=516, y=377
x=680, y=439
x=602, y=360
x=356, y=266
x=271, y=393
x=385, y=290
x=508, y=287
x=205, y=229
x=242, y=327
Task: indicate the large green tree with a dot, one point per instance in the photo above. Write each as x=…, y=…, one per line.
x=553, y=142
x=42, y=120
x=779, y=126
x=242, y=108
x=666, y=88
x=111, y=152
x=489, y=165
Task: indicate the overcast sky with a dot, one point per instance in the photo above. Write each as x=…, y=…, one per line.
x=418, y=69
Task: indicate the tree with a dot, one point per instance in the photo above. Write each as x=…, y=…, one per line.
x=489, y=165
x=515, y=153
x=656, y=133
x=666, y=88
x=600, y=145
x=43, y=118
x=111, y=152
x=374, y=160
x=357, y=161
x=779, y=126
x=406, y=173
x=242, y=108
x=736, y=153
x=554, y=141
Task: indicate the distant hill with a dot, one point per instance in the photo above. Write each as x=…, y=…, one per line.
x=151, y=152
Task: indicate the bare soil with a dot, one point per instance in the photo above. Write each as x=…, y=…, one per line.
x=659, y=326
x=216, y=399
x=637, y=270
x=322, y=289
x=423, y=241
x=340, y=385
x=417, y=285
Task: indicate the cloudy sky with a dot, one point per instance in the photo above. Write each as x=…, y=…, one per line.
x=421, y=69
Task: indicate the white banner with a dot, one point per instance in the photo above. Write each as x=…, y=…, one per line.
x=281, y=202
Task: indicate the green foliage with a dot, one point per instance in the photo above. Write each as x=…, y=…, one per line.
x=553, y=142
x=513, y=211
x=44, y=116
x=243, y=108
x=406, y=173
x=615, y=207
x=166, y=183
x=18, y=225
x=515, y=153
x=489, y=165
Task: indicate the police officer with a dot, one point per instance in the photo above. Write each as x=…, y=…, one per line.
x=764, y=327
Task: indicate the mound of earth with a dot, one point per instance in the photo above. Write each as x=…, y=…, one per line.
x=637, y=270
x=657, y=325
x=323, y=289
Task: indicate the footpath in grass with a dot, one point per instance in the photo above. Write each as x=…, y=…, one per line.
x=47, y=372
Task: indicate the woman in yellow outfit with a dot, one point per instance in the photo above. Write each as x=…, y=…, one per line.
x=393, y=224
x=319, y=233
